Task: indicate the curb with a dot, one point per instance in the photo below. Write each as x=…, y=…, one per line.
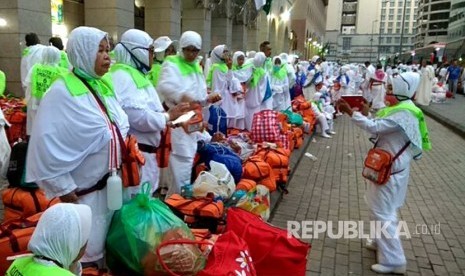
x=458, y=129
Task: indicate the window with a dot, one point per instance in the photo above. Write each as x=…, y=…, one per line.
x=383, y=12
x=346, y=41
x=399, y=17
x=389, y=31
x=406, y=30
x=397, y=40
x=388, y=39
x=397, y=30
x=391, y=11
x=398, y=24
x=381, y=40
x=390, y=24
x=384, y=4
x=391, y=17
x=405, y=40
x=399, y=11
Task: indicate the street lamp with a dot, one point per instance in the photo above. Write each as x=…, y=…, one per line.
x=402, y=31
x=435, y=26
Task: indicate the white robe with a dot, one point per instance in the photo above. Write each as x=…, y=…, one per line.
x=281, y=96
x=146, y=121
x=423, y=96
x=384, y=200
x=173, y=86
x=253, y=100
x=226, y=84
x=69, y=150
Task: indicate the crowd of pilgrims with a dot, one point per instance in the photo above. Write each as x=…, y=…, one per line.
x=142, y=85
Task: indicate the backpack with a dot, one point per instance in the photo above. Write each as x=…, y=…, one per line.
x=17, y=167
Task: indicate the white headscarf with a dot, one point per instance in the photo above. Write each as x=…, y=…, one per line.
x=317, y=96
x=251, y=54
x=217, y=53
x=236, y=55
x=405, y=84
x=259, y=59
x=51, y=55
x=82, y=48
x=134, y=42
x=190, y=38
x=62, y=231
x=284, y=58
x=315, y=59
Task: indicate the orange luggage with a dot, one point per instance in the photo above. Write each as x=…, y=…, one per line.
x=17, y=130
x=14, y=238
x=257, y=169
x=246, y=184
x=278, y=159
x=164, y=149
x=298, y=137
x=200, y=207
x=22, y=203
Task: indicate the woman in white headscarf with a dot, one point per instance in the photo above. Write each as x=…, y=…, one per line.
x=58, y=242
x=221, y=80
x=259, y=91
x=397, y=129
x=163, y=47
x=280, y=85
x=74, y=144
x=182, y=80
x=39, y=79
x=241, y=70
x=138, y=98
x=423, y=96
x=438, y=94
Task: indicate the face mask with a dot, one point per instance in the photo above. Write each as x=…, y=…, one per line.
x=276, y=68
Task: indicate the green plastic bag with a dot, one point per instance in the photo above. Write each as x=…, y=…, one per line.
x=293, y=118
x=136, y=231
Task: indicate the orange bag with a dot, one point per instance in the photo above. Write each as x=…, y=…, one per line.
x=17, y=130
x=378, y=164
x=246, y=184
x=132, y=160
x=298, y=137
x=195, y=123
x=22, y=203
x=200, y=207
x=14, y=238
x=256, y=169
x=164, y=149
x=278, y=159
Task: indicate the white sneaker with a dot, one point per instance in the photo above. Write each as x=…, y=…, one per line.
x=383, y=269
x=332, y=132
x=371, y=245
x=325, y=135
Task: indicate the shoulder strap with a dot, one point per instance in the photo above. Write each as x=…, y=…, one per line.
x=401, y=150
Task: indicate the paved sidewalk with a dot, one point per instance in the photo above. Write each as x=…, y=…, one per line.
x=332, y=188
x=451, y=113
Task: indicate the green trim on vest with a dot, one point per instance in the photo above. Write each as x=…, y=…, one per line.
x=42, y=77
x=413, y=109
x=220, y=66
x=186, y=68
x=25, y=52
x=281, y=74
x=27, y=266
x=154, y=74
x=2, y=83
x=64, y=62
x=244, y=66
x=139, y=79
x=257, y=75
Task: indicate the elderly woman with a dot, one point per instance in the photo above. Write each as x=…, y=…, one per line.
x=221, y=80
x=74, y=142
x=138, y=98
x=39, y=79
x=58, y=242
x=182, y=80
x=401, y=130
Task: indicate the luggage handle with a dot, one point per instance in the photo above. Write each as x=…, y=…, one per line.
x=174, y=242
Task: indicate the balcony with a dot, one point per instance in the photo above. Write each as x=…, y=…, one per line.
x=348, y=20
x=349, y=7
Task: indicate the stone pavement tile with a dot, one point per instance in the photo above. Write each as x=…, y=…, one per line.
x=435, y=259
x=461, y=263
x=446, y=255
x=439, y=270
x=452, y=267
x=426, y=272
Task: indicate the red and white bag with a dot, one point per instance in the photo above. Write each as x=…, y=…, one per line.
x=266, y=126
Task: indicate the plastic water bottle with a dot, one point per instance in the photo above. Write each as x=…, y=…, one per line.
x=114, y=191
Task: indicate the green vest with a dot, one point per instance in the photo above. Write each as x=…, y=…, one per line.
x=154, y=74
x=2, y=82
x=216, y=66
x=64, y=62
x=28, y=267
x=186, y=68
x=42, y=77
x=412, y=108
x=139, y=79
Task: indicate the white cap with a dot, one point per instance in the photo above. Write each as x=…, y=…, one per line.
x=162, y=43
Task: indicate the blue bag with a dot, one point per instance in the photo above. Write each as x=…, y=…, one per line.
x=223, y=155
x=217, y=121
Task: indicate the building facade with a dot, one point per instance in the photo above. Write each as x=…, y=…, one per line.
x=432, y=22
x=236, y=23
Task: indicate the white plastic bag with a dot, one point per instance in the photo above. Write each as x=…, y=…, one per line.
x=5, y=149
x=218, y=181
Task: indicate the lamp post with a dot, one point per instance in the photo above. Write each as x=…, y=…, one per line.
x=371, y=39
x=435, y=26
x=402, y=31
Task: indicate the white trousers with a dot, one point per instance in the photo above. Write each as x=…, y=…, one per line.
x=181, y=169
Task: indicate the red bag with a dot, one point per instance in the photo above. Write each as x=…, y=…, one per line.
x=17, y=130
x=272, y=251
x=229, y=257
x=164, y=149
x=266, y=126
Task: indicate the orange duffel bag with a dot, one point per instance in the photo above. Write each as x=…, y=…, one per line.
x=17, y=128
x=22, y=203
x=164, y=149
x=257, y=169
x=246, y=184
x=278, y=159
x=14, y=238
x=298, y=137
x=199, y=207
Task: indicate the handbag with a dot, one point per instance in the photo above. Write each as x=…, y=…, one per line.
x=378, y=163
x=273, y=251
x=195, y=123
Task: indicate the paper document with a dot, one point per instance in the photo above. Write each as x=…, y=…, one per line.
x=184, y=118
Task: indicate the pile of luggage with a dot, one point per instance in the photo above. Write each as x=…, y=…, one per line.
x=215, y=226
x=14, y=110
